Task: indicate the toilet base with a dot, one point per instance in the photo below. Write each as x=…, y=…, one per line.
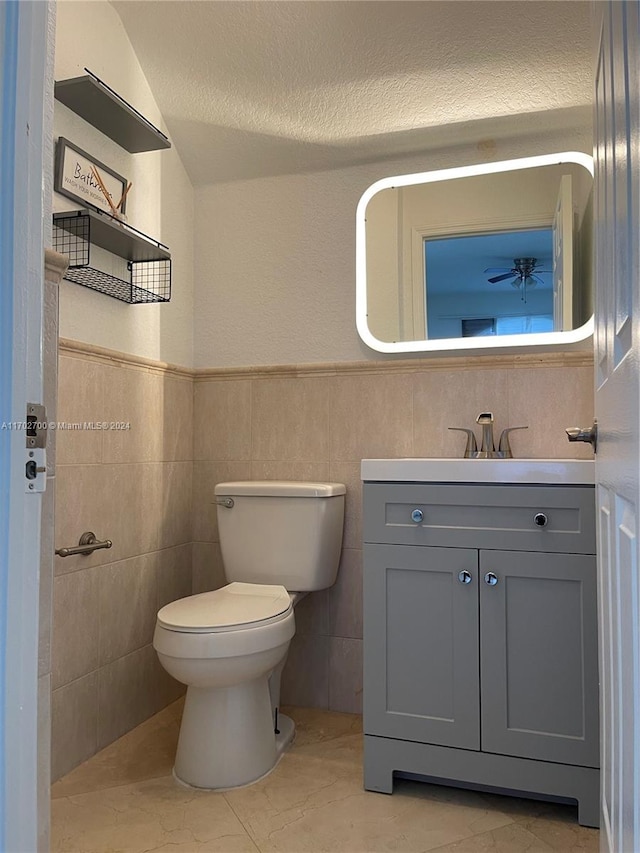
x=286, y=733
x=284, y=739
x=227, y=738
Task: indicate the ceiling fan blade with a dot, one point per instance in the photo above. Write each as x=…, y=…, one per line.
x=536, y=279
x=497, y=269
x=498, y=278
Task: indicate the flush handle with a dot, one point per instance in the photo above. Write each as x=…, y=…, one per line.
x=417, y=515
x=226, y=502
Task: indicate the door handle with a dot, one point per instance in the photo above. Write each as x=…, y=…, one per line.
x=589, y=435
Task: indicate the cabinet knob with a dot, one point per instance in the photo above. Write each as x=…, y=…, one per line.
x=491, y=579
x=417, y=515
x=540, y=519
x=464, y=576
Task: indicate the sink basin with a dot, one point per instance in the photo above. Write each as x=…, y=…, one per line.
x=568, y=472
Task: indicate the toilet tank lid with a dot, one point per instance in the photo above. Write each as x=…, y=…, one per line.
x=281, y=488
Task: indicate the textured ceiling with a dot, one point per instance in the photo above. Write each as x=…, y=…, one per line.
x=269, y=87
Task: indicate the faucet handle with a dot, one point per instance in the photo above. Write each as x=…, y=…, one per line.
x=471, y=446
x=504, y=446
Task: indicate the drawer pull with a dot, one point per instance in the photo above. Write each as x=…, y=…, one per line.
x=464, y=576
x=417, y=515
x=540, y=519
x=491, y=579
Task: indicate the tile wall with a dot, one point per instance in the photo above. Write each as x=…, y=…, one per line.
x=318, y=422
x=134, y=487
x=151, y=490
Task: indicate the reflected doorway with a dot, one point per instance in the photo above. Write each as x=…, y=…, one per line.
x=477, y=285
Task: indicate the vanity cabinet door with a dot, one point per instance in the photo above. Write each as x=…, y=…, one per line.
x=539, y=656
x=421, y=657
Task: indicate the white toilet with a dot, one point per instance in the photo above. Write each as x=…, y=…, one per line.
x=279, y=540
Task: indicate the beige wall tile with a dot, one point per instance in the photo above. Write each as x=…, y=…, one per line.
x=311, y=614
x=176, y=484
x=370, y=417
x=135, y=396
x=81, y=397
x=75, y=626
x=127, y=692
x=137, y=495
x=127, y=612
x=174, y=574
x=344, y=599
x=159, y=410
x=177, y=422
x=288, y=470
x=222, y=420
x=548, y=400
x=289, y=420
x=86, y=499
x=305, y=678
x=445, y=398
x=349, y=474
x=206, y=475
x=141, y=507
x=345, y=675
x=74, y=727
x=208, y=570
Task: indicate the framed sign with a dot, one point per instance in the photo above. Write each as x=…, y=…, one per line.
x=76, y=178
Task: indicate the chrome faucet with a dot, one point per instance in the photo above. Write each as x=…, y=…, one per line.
x=485, y=419
x=487, y=446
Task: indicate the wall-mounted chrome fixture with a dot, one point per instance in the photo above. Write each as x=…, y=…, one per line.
x=87, y=545
x=590, y=434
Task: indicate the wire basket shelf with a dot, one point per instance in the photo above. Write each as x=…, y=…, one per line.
x=146, y=266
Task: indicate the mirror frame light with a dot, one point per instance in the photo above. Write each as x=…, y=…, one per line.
x=443, y=344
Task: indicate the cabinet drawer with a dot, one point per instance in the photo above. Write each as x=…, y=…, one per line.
x=481, y=516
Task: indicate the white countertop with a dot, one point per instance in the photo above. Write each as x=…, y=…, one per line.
x=566, y=472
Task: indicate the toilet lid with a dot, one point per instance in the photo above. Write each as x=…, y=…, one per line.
x=235, y=605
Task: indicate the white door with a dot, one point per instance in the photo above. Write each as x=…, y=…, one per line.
x=617, y=343
x=563, y=258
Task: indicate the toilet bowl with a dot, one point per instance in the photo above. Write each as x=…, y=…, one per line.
x=224, y=645
x=229, y=646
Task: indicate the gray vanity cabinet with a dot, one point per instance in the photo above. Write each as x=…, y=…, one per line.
x=480, y=663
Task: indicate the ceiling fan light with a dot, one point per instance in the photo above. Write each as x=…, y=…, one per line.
x=530, y=281
x=516, y=282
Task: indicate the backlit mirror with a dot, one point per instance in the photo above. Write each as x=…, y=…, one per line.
x=477, y=257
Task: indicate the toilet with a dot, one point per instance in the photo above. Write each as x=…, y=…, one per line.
x=279, y=541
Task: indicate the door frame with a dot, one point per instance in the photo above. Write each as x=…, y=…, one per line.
x=26, y=39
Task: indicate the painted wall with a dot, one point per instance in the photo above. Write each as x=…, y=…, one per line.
x=275, y=257
x=160, y=202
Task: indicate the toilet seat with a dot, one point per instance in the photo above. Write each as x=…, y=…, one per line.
x=234, y=607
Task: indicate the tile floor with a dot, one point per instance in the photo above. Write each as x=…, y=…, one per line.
x=124, y=800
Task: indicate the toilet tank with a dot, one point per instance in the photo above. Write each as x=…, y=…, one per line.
x=281, y=532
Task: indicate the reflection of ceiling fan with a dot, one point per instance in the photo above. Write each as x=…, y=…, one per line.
x=523, y=274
